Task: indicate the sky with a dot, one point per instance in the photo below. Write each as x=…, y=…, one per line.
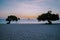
x=28, y=8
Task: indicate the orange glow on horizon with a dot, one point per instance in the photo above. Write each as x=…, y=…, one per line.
x=27, y=16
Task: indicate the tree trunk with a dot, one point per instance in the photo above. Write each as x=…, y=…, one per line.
x=49, y=22
x=9, y=22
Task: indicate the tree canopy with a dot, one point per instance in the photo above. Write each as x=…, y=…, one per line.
x=12, y=18
x=48, y=16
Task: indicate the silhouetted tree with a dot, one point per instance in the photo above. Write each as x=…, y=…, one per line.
x=12, y=18
x=48, y=16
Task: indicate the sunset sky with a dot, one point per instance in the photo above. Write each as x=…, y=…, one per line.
x=28, y=8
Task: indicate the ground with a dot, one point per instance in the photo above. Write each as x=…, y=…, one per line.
x=29, y=32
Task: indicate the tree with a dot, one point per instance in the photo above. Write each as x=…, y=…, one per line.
x=12, y=18
x=48, y=16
